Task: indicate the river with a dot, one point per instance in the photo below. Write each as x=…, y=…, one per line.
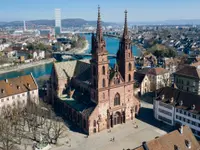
x=112, y=45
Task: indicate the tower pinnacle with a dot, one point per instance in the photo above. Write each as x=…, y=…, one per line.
x=99, y=29
x=125, y=34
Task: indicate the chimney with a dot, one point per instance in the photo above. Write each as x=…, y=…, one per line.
x=144, y=144
x=181, y=130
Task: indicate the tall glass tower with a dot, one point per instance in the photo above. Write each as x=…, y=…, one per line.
x=57, y=21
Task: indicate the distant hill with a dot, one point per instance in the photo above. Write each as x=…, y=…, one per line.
x=170, y=22
x=65, y=23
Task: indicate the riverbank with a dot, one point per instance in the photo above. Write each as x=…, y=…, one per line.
x=80, y=50
x=27, y=65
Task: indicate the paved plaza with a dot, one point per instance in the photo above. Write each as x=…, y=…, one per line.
x=125, y=135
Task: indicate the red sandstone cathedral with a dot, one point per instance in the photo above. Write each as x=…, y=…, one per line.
x=92, y=94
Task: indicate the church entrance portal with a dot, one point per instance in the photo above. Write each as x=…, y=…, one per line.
x=117, y=118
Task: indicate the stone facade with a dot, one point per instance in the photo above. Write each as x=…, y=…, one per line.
x=99, y=97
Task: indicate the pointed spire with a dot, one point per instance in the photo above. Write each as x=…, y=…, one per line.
x=99, y=29
x=125, y=25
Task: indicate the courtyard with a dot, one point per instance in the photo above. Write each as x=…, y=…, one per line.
x=129, y=135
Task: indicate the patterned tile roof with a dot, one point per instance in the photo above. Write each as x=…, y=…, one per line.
x=71, y=68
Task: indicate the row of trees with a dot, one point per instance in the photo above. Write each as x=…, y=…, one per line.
x=79, y=42
x=38, y=46
x=162, y=51
x=20, y=126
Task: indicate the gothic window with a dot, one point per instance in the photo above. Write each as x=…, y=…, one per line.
x=103, y=70
x=129, y=77
x=103, y=83
x=94, y=70
x=94, y=123
x=117, y=99
x=84, y=123
x=129, y=67
x=94, y=83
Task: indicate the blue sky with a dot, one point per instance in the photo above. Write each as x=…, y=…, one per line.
x=112, y=10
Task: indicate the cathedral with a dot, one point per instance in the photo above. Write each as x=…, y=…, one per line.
x=90, y=93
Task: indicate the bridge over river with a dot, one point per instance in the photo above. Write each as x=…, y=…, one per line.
x=78, y=55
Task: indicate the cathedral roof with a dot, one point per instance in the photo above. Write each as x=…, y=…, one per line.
x=83, y=105
x=69, y=69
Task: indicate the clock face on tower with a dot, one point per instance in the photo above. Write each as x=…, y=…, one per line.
x=126, y=37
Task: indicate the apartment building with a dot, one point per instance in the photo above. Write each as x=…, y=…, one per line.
x=181, y=139
x=188, y=79
x=176, y=107
x=151, y=79
x=18, y=91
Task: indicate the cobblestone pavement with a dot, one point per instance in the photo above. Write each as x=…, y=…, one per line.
x=125, y=135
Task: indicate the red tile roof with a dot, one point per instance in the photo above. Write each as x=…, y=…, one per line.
x=173, y=140
x=13, y=86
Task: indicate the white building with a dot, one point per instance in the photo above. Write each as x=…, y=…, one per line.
x=176, y=107
x=38, y=55
x=18, y=91
x=3, y=46
x=151, y=79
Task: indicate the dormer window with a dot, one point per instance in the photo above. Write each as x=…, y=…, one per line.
x=28, y=85
x=181, y=103
x=18, y=87
x=2, y=91
x=193, y=107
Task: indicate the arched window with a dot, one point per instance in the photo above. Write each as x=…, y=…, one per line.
x=103, y=70
x=129, y=67
x=117, y=99
x=94, y=123
x=103, y=83
x=129, y=77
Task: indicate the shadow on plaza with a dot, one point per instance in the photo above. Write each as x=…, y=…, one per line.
x=146, y=115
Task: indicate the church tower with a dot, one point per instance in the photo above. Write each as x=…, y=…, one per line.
x=99, y=65
x=125, y=58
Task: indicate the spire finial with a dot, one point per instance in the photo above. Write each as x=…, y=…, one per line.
x=99, y=30
x=125, y=24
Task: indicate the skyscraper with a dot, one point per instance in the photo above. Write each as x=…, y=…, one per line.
x=57, y=21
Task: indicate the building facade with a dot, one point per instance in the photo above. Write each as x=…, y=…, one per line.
x=17, y=92
x=57, y=21
x=93, y=95
x=152, y=79
x=176, y=107
x=188, y=79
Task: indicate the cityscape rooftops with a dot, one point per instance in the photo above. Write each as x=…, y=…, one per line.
x=179, y=99
x=190, y=71
x=182, y=139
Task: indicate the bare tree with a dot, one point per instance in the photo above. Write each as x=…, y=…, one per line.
x=11, y=131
